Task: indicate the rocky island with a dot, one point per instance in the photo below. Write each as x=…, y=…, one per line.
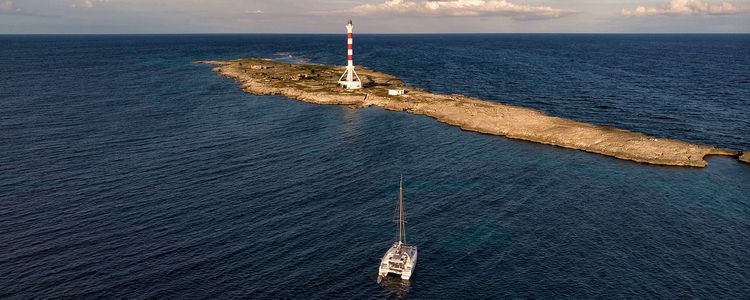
x=318, y=84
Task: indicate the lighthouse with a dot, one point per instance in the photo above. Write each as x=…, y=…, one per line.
x=350, y=79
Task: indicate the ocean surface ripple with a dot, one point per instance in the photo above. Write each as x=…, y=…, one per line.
x=127, y=172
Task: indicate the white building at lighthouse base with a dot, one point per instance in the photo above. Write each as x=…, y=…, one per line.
x=351, y=85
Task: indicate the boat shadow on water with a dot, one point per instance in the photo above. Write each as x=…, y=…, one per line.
x=394, y=285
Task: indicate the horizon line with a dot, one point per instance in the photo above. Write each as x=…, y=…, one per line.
x=390, y=33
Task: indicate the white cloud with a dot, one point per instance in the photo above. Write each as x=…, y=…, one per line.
x=683, y=8
x=458, y=8
x=7, y=7
x=87, y=3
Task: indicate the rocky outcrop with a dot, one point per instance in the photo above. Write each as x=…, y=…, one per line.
x=317, y=84
x=745, y=157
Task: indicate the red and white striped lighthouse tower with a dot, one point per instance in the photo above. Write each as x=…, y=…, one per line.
x=350, y=79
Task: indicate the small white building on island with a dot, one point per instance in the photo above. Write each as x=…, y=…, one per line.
x=396, y=92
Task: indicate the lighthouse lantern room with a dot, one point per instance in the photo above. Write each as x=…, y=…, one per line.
x=350, y=80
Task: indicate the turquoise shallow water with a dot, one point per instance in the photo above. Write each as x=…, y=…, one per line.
x=127, y=172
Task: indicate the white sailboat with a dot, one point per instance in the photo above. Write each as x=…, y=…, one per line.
x=401, y=258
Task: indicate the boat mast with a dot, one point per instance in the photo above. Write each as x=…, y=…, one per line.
x=401, y=225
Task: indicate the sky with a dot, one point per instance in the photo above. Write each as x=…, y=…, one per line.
x=373, y=16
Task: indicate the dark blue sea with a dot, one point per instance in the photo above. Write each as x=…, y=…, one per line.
x=126, y=172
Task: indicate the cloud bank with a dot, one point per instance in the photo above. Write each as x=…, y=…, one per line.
x=7, y=7
x=683, y=8
x=458, y=8
x=87, y=3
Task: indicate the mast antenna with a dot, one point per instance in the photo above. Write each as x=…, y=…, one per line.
x=401, y=225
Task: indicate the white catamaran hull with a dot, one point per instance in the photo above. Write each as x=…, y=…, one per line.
x=397, y=262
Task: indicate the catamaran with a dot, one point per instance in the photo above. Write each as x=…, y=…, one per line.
x=401, y=258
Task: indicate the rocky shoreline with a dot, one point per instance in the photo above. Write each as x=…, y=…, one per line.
x=317, y=84
x=745, y=157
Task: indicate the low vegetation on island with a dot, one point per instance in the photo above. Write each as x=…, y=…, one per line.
x=318, y=84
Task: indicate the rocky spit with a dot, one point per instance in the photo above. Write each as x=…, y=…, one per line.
x=318, y=84
x=745, y=157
